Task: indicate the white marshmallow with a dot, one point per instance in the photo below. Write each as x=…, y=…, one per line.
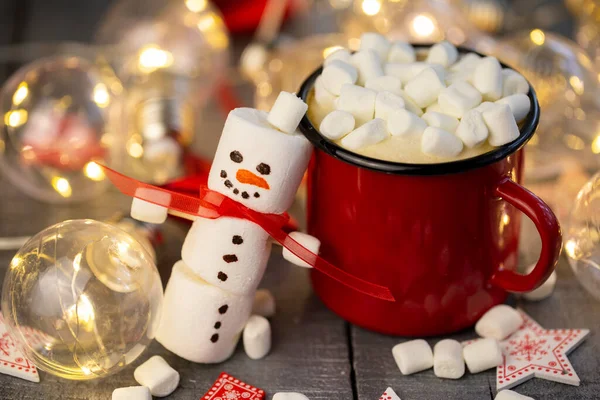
x=482, y=355
x=201, y=322
x=413, y=356
x=501, y=125
x=358, y=101
x=257, y=337
x=158, y=376
x=510, y=395
x=410, y=105
x=376, y=42
x=458, y=76
x=386, y=83
x=132, y=393
x=487, y=78
x=441, y=120
x=406, y=71
x=404, y=123
x=264, y=303
x=337, y=124
x=513, y=83
x=499, y=322
x=289, y=396
x=145, y=211
x=440, y=143
x=248, y=135
x=443, y=53
x=448, y=360
x=337, y=74
x=458, y=98
x=212, y=252
x=472, y=129
x=545, y=290
x=368, y=134
x=425, y=88
x=401, y=52
x=468, y=62
x=435, y=107
x=341, y=54
x=519, y=105
x=309, y=242
x=368, y=64
x=485, y=106
x=287, y=112
x=387, y=102
x=322, y=96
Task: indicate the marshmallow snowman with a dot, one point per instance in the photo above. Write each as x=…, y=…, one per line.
x=260, y=162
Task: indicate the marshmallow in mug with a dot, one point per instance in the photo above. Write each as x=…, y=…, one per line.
x=499, y=322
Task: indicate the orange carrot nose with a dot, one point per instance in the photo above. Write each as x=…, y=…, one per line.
x=250, y=178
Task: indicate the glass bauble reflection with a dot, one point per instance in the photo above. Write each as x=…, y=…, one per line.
x=89, y=291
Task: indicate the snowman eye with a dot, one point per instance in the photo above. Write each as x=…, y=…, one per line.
x=263, y=168
x=236, y=156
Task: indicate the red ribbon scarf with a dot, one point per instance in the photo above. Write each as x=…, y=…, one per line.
x=212, y=205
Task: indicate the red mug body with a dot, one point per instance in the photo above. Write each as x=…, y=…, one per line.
x=442, y=237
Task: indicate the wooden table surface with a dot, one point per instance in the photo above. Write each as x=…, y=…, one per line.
x=314, y=351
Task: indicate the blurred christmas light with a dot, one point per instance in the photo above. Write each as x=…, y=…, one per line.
x=537, y=36
x=20, y=94
x=371, y=7
x=423, y=25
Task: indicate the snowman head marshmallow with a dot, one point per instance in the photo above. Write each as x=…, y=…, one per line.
x=258, y=165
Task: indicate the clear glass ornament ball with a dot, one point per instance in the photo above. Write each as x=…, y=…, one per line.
x=57, y=114
x=582, y=240
x=82, y=299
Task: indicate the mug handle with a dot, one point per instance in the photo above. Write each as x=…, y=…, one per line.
x=548, y=228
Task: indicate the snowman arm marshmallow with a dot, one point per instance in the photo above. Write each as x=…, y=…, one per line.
x=150, y=205
x=307, y=241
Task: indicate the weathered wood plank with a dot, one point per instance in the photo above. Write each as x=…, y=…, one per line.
x=569, y=307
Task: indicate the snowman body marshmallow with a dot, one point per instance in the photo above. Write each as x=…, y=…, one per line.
x=209, y=297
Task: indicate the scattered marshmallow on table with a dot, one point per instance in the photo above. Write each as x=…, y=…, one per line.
x=358, y=101
x=487, y=78
x=440, y=143
x=337, y=124
x=376, y=42
x=264, y=303
x=307, y=241
x=441, y=120
x=443, y=53
x=337, y=74
x=368, y=64
x=501, y=125
x=287, y=112
x=158, y=376
x=132, y=393
x=385, y=83
x=323, y=97
x=459, y=98
x=386, y=103
x=413, y=356
x=257, y=337
x=482, y=355
x=368, y=134
x=404, y=123
x=510, y=395
x=289, y=396
x=341, y=54
x=519, y=105
x=472, y=129
x=401, y=52
x=448, y=360
x=499, y=322
x=425, y=88
x=544, y=290
x=513, y=83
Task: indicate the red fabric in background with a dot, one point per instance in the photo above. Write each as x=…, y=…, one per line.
x=242, y=16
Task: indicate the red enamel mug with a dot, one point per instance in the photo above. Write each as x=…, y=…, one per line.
x=443, y=237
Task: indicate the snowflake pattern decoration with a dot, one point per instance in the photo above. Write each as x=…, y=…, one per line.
x=227, y=387
x=535, y=352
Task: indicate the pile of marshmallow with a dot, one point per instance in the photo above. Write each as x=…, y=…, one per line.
x=446, y=100
x=449, y=357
